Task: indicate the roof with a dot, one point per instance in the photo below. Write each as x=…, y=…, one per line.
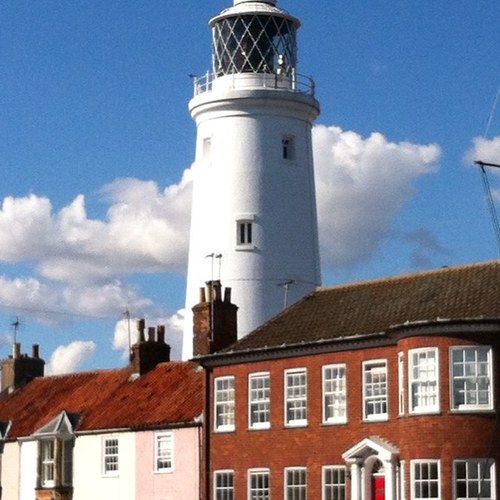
x=451, y=293
x=169, y=395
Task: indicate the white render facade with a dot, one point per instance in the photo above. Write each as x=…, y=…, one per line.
x=254, y=223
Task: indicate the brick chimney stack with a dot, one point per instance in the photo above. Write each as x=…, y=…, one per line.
x=146, y=354
x=214, y=320
x=19, y=369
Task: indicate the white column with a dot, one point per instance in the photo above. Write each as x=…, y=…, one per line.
x=390, y=481
x=355, y=482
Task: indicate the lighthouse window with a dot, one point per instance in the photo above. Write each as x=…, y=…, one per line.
x=207, y=148
x=244, y=233
x=287, y=148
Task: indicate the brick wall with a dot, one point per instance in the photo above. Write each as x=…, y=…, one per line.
x=445, y=436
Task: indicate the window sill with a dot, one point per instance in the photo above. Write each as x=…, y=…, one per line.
x=333, y=423
x=468, y=411
x=245, y=248
x=259, y=427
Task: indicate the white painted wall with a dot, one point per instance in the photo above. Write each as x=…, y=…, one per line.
x=28, y=468
x=246, y=174
x=88, y=479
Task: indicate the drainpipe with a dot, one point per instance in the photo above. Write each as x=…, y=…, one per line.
x=207, y=431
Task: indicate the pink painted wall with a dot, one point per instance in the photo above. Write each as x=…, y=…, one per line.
x=183, y=482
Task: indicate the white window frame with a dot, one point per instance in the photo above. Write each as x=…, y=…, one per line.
x=375, y=392
x=419, y=381
x=224, y=404
x=415, y=481
x=224, y=491
x=333, y=487
x=334, y=386
x=295, y=490
x=468, y=384
x=401, y=383
x=245, y=231
x=261, y=490
x=47, y=462
x=110, y=457
x=164, y=452
x=259, y=400
x=402, y=480
x=474, y=479
x=295, y=397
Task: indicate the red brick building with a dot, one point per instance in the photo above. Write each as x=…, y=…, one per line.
x=386, y=389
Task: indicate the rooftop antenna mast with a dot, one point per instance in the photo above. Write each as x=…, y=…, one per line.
x=484, y=176
x=15, y=324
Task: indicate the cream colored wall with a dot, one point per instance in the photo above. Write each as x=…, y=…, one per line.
x=10, y=471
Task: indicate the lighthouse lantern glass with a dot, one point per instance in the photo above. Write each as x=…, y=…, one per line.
x=254, y=44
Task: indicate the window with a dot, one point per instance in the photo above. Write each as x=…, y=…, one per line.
x=425, y=479
x=47, y=462
x=334, y=394
x=110, y=457
x=67, y=462
x=295, y=483
x=207, y=148
x=401, y=383
x=423, y=380
x=375, y=390
x=296, y=397
x=245, y=237
x=471, y=378
x=288, y=147
x=244, y=233
x=224, y=485
x=473, y=479
x=164, y=452
x=259, y=401
x=258, y=484
x=334, y=482
x=224, y=404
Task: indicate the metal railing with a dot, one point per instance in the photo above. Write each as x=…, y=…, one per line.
x=293, y=82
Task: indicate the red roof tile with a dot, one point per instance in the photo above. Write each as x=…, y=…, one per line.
x=169, y=395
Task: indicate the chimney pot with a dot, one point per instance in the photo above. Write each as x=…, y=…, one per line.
x=202, y=297
x=35, y=353
x=161, y=334
x=151, y=334
x=227, y=295
x=16, y=350
x=141, y=325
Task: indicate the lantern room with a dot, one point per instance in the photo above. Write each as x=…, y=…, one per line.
x=254, y=37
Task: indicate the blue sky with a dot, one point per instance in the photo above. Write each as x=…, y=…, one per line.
x=96, y=143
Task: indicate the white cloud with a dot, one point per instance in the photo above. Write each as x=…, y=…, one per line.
x=146, y=231
x=67, y=359
x=485, y=150
x=361, y=185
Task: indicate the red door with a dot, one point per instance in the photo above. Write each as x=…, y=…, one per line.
x=378, y=487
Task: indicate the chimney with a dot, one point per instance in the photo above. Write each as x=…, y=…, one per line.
x=18, y=370
x=146, y=354
x=214, y=320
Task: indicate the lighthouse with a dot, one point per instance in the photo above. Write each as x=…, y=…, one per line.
x=253, y=219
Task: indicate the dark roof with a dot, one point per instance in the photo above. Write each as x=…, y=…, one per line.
x=169, y=395
x=452, y=293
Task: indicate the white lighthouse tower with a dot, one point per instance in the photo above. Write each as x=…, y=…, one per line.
x=253, y=223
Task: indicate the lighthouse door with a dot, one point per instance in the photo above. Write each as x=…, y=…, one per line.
x=378, y=487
